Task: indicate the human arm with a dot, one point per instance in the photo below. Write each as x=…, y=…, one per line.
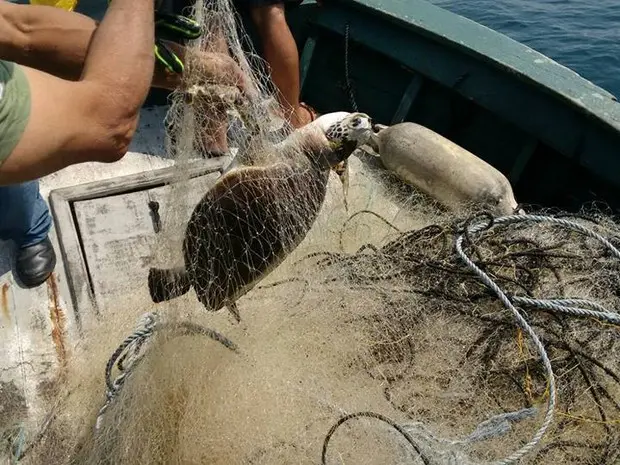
x=95, y=117
x=281, y=54
x=54, y=41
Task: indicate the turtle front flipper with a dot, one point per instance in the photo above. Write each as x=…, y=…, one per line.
x=167, y=284
x=342, y=170
x=234, y=311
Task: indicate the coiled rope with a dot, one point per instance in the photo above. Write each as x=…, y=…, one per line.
x=132, y=343
x=127, y=355
x=559, y=305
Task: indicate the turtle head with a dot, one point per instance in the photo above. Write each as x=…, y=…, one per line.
x=345, y=132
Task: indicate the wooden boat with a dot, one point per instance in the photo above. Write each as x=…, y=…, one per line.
x=554, y=134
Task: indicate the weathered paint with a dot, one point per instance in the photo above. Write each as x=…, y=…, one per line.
x=118, y=238
x=4, y=303
x=38, y=326
x=58, y=322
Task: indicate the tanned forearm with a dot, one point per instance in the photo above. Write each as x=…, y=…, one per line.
x=56, y=41
x=47, y=38
x=120, y=57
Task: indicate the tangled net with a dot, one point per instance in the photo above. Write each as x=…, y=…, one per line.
x=375, y=348
x=380, y=339
x=537, y=263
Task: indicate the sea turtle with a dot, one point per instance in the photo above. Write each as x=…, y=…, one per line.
x=254, y=216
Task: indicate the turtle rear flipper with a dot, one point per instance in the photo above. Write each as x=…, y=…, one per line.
x=167, y=284
x=234, y=311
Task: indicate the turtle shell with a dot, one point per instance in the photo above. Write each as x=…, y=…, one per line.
x=246, y=225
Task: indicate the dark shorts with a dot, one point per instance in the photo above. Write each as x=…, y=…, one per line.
x=259, y=3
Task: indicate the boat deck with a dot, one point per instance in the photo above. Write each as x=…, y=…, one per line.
x=37, y=326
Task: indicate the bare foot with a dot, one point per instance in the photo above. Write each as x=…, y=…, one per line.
x=303, y=115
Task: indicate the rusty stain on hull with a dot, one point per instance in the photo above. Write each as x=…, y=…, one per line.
x=4, y=301
x=58, y=320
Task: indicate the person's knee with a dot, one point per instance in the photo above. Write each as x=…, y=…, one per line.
x=269, y=16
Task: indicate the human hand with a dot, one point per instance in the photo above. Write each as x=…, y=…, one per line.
x=213, y=68
x=173, y=27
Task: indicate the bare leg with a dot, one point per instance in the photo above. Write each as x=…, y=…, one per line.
x=280, y=52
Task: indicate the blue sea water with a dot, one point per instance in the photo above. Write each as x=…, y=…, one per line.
x=583, y=35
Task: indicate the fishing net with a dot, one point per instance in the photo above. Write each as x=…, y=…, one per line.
x=395, y=332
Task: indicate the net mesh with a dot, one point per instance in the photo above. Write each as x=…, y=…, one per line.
x=360, y=309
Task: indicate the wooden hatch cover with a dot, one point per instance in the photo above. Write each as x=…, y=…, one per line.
x=106, y=230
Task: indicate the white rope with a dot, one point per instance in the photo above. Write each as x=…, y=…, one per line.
x=133, y=343
x=570, y=306
x=566, y=306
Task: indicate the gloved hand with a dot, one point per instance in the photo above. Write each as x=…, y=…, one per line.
x=175, y=27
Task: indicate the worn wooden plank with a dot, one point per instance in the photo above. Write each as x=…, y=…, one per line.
x=70, y=253
x=144, y=180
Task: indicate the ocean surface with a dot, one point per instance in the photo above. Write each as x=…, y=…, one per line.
x=583, y=35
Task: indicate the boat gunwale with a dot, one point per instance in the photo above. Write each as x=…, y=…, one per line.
x=493, y=47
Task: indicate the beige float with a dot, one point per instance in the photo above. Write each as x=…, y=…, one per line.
x=442, y=169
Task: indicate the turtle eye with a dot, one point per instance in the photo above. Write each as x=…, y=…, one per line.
x=356, y=121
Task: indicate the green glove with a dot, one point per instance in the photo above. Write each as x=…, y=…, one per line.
x=180, y=26
x=175, y=27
